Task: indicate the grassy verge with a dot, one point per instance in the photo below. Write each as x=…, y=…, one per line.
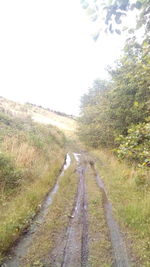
x=55, y=223
x=99, y=244
x=16, y=215
x=31, y=156
x=131, y=202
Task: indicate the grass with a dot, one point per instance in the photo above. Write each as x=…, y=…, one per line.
x=31, y=158
x=39, y=114
x=131, y=202
x=56, y=222
x=16, y=214
x=99, y=243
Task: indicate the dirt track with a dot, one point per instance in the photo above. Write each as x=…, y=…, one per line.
x=75, y=250
x=72, y=249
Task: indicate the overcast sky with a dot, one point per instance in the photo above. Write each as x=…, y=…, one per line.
x=47, y=54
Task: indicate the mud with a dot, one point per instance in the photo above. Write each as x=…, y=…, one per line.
x=21, y=248
x=71, y=248
x=72, y=251
x=119, y=248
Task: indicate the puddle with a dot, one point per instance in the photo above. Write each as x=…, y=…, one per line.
x=77, y=156
x=67, y=164
x=76, y=248
x=20, y=250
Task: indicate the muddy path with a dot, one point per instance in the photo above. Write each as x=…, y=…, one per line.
x=19, y=250
x=118, y=245
x=73, y=250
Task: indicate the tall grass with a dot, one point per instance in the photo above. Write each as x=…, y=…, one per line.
x=23, y=152
x=31, y=156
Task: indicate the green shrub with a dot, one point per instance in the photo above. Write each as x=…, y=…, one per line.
x=142, y=179
x=136, y=145
x=10, y=176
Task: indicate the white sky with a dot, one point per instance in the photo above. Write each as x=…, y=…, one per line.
x=47, y=55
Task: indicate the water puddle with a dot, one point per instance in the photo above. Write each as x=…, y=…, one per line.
x=76, y=248
x=67, y=164
x=20, y=250
x=77, y=156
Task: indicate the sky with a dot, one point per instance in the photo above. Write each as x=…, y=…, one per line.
x=47, y=54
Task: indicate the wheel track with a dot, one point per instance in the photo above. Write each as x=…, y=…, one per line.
x=71, y=248
x=76, y=249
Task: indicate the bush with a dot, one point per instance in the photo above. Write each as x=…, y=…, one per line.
x=136, y=145
x=10, y=176
x=142, y=179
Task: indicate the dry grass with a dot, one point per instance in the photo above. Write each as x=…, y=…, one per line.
x=17, y=213
x=23, y=153
x=38, y=152
x=31, y=158
x=41, y=115
x=131, y=202
x=99, y=243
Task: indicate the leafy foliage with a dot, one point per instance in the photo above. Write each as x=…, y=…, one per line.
x=129, y=99
x=112, y=12
x=136, y=145
x=95, y=128
x=120, y=109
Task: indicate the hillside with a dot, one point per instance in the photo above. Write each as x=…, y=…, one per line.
x=39, y=114
x=31, y=156
x=74, y=204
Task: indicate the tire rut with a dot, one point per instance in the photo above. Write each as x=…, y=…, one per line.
x=72, y=250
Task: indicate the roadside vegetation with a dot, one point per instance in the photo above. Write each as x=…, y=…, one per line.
x=115, y=121
x=130, y=196
x=116, y=113
x=31, y=156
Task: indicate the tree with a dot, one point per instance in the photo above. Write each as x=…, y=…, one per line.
x=120, y=109
x=95, y=127
x=129, y=99
x=112, y=12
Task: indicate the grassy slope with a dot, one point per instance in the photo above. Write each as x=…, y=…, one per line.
x=131, y=203
x=39, y=114
x=34, y=153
